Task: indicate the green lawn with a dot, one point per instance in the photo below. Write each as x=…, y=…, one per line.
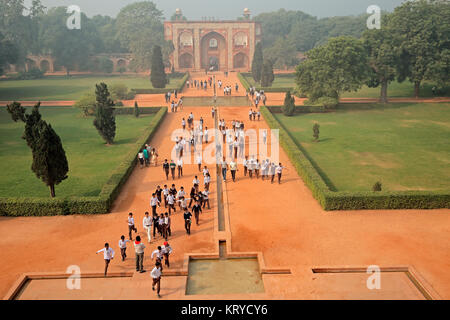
x=68, y=88
x=405, y=146
x=91, y=162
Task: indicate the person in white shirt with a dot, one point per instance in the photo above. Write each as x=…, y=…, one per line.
x=162, y=225
x=198, y=161
x=167, y=223
x=183, y=124
x=141, y=158
x=165, y=194
x=131, y=226
x=279, y=170
x=139, y=250
x=108, y=255
x=263, y=169
x=156, y=276
x=257, y=166
x=171, y=203
x=245, y=166
x=236, y=146
x=206, y=198
x=224, y=167
x=180, y=167
x=206, y=134
x=233, y=169
x=207, y=181
x=250, y=167
x=264, y=134
x=195, y=181
x=154, y=202
x=123, y=247
x=205, y=171
x=158, y=254
x=166, y=251
x=147, y=223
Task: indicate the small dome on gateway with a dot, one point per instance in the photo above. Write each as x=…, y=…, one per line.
x=246, y=11
x=178, y=11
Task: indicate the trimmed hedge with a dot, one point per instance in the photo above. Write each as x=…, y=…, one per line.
x=163, y=90
x=344, y=200
x=85, y=205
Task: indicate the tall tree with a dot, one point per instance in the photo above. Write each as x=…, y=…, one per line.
x=382, y=58
x=139, y=28
x=416, y=26
x=257, y=62
x=339, y=66
x=158, y=74
x=49, y=158
x=136, y=110
x=267, y=75
x=105, y=120
x=282, y=54
x=8, y=53
x=289, y=104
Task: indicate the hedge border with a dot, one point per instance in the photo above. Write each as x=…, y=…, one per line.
x=84, y=205
x=345, y=200
x=246, y=84
x=164, y=90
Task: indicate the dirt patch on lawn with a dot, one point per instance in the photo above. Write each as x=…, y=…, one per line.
x=330, y=123
x=439, y=123
x=409, y=123
x=371, y=159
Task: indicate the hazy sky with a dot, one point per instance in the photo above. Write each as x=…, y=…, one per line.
x=231, y=9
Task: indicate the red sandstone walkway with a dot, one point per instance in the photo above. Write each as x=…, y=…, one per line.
x=283, y=222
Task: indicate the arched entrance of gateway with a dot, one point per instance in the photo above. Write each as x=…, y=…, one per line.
x=240, y=61
x=213, y=49
x=186, y=61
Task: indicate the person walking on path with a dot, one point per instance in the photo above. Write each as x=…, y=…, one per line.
x=272, y=169
x=233, y=169
x=158, y=254
x=146, y=157
x=224, y=167
x=207, y=181
x=180, y=167
x=197, y=209
x=154, y=202
x=156, y=276
x=279, y=170
x=108, y=255
x=206, y=199
x=165, y=192
x=147, y=223
x=171, y=203
x=131, y=226
x=245, y=166
x=139, y=250
x=166, y=169
x=155, y=220
x=167, y=223
x=162, y=225
x=123, y=247
x=141, y=158
x=167, y=251
x=172, y=169
x=187, y=221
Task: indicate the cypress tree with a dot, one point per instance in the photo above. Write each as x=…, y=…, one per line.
x=257, y=62
x=289, y=104
x=49, y=158
x=105, y=120
x=158, y=74
x=136, y=110
x=267, y=75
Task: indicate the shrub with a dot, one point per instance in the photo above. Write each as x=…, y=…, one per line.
x=87, y=104
x=328, y=102
x=105, y=65
x=376, y=186
x=31, y=74
x=119, y=91
x=289, y=105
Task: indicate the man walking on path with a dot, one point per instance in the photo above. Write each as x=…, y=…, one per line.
x=172, y=169
x=147, y=223
x=206, y=198
x=123, y=247
x=180, y=167
x=158, y=254
x=167, y=251
x=139, y=249
x=233, y=169
x=131, y=226
x=224, y=166
x=279, y=170
x=167, y=222
x=154, y=202
x=197, y=209
x=166, y=169
x=187, y=221
x=108, y=255
x=156, y=276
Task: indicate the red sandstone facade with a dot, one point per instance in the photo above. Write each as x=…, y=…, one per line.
x=213, y=45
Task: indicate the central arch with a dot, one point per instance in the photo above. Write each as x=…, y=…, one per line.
x=213, y=49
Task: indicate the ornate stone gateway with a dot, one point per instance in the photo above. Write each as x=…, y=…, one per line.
x=212, y=45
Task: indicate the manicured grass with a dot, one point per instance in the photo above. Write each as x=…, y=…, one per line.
x=91, y=162
x=68, y=88
x=405, y=146
x=281, y=81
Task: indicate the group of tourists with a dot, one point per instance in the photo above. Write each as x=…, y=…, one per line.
x=147, y=156
x=174, y=106
x=257, y=96
x=168, y=95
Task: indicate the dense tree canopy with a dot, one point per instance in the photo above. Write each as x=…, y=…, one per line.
x=338, y=66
